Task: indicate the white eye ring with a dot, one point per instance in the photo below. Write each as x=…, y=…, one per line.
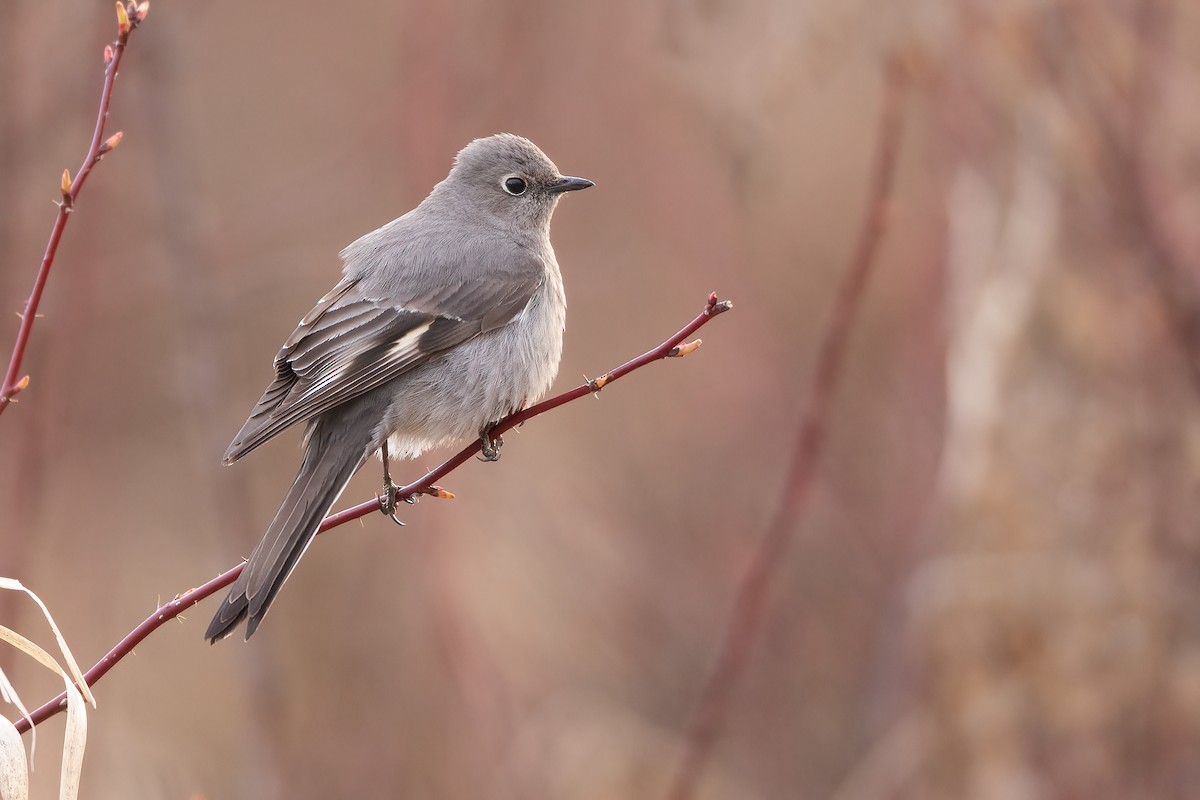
x=514, y=185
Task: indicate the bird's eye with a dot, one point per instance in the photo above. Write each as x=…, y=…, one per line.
x=514, y=185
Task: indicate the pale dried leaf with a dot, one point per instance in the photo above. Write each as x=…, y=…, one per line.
x=31, y=649
x=9, y=692
x=73, y=743
x=76, y=673
x=76, y=731
x=14, y=775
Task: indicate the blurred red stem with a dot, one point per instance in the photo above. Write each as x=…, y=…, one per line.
x=13, y=383
x=752, y=591
x=1153, y=209
x=423, y=485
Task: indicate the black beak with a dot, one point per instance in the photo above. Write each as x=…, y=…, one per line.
x=570, y=185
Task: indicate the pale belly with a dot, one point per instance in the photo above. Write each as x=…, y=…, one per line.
x=458, y=395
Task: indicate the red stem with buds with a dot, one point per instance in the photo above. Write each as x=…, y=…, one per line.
x=128, y=18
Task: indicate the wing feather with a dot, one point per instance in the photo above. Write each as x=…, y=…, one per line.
x=352, y=342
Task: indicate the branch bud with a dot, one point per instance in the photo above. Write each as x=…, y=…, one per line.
x=111, y=142
x=122, y=18
x=440, y=493
x=685, y=349
x=21, y=385
x=66, y=183
x=143, y=9
x=108, y=54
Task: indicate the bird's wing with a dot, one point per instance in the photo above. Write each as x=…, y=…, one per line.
x=351, y=342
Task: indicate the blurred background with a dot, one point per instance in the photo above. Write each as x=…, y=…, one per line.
x=994, y=589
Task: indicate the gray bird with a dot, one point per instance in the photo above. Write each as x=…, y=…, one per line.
x=448, y=319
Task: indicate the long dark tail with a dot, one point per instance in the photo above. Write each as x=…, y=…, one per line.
x=329, y=462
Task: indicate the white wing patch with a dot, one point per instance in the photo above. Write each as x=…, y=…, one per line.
x=349, y=376
x=408, y=341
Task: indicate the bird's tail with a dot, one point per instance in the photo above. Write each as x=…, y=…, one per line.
x=329, y=463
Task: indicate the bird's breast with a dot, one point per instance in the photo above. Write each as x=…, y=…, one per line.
x=480, y=381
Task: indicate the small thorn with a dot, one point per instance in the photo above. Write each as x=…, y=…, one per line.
x=122, y=18
x=685, y=349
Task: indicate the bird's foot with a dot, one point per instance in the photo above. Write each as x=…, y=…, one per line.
x=489, y=449
x=391, y=492
x=388, y=498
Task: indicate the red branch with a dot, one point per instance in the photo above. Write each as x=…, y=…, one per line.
x=672, y=348
x=752, y=591
x=128, y=18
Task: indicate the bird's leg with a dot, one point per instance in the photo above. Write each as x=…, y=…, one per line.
x=387, y=500
x=490, y=447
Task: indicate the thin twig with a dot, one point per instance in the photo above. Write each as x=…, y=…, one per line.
x=129, y=16
x=676, y=346
x=750, y=600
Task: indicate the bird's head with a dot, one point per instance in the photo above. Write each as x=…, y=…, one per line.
x=509, y=178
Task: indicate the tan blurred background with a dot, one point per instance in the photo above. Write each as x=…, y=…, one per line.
x=995, y=590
